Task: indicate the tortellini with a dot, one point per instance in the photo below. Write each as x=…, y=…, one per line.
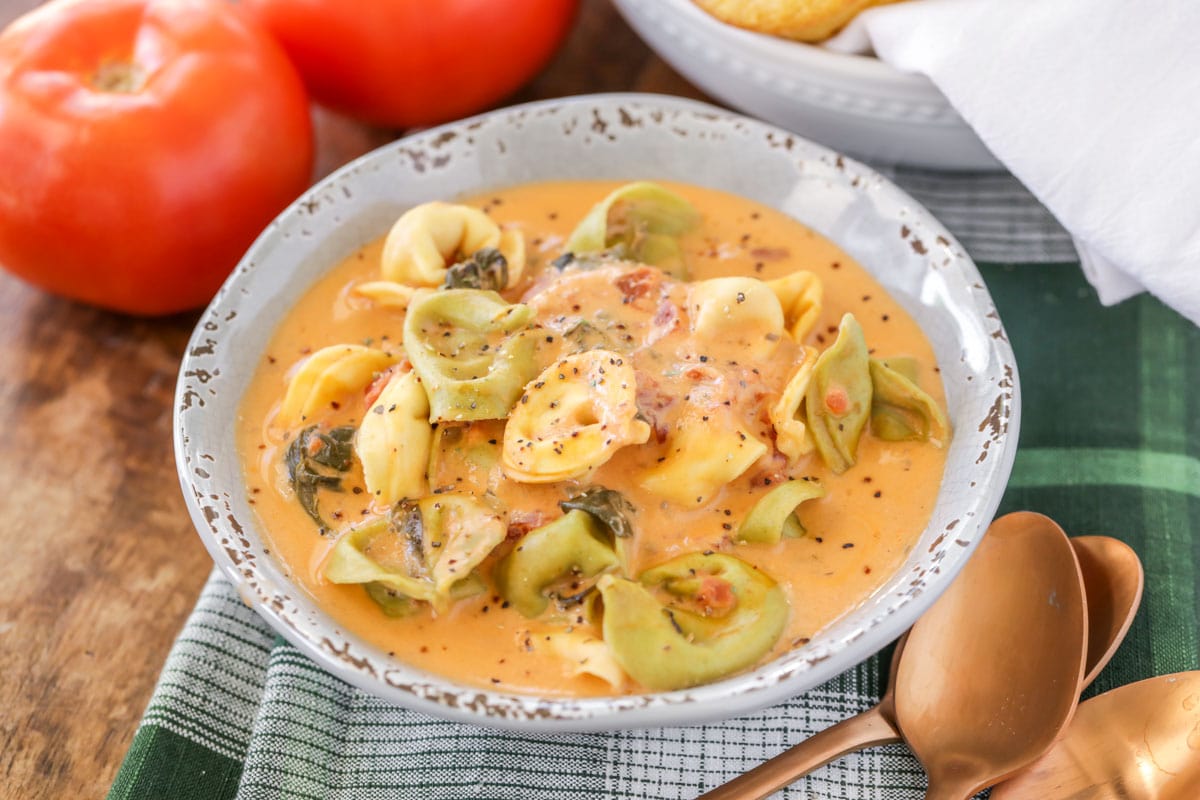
x=839, y=397
x=327, y=376
x=773, y=517
x=702, y=457
x=468, y=348
x=430, y=237
x=573, y=544
x=388, y=294
x=573, y=418
x=393, y=442
x=800, y=296
x=901, y=410
x=587, y=655
x=791, y=433
x=722, y=616
x=422, y=551
x=641, y=222
x=742, y=310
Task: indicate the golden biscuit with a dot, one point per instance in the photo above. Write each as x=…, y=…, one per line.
x=803, y=20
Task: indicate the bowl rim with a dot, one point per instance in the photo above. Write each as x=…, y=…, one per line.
x=877, y=76
x=768, y=684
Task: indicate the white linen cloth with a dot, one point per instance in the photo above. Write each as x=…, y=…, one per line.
x=1093, y=104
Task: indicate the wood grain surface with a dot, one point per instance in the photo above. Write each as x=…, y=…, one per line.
x=100, y=562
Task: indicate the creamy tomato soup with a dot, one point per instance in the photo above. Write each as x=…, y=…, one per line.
x=655, y=382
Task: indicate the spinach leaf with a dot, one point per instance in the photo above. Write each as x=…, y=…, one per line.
x=608, y=506
x=308, y=465
x=485, y=269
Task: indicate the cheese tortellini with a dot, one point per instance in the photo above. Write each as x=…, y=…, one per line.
x=470, y=351
x=741, y=310
x=701, y=457
x=639, y=222
x=423, y=550
x=791, y=432
x=573, y=418
x=720, y=615
x=575, y=544
x=839, y=397
x=901, y=410
x=327, y=376
x=430, y=237
x=393, y=442
x=800, y=297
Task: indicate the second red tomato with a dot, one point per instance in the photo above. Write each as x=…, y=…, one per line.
x=403, y=63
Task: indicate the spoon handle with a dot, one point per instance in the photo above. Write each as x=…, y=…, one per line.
x=868, y=729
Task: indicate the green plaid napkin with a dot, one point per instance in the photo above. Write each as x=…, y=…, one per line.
x=1110, y=443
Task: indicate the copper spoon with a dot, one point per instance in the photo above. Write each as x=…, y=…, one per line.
x=1112, y=577
x=991, y=672
x=1112, y=583
x=1138, y=742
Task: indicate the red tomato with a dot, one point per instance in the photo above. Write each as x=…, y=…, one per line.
x=401, y=63
x=143, y=146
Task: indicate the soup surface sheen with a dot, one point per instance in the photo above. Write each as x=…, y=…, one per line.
x=856, y=535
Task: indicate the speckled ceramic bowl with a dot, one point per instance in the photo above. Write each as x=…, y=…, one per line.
x=616, y=137
x=857, y=103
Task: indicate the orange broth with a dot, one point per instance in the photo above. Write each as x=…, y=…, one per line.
x=857, y=535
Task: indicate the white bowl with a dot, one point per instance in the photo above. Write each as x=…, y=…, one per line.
x=857, y=104
x=607, y=136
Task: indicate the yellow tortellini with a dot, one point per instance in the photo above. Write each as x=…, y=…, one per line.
x=742, y=310
x=388, y=294
x=393, y=442
x=573, y=418
x=839, y=397
x=639, y=222
x=327, y=376
x=721, y=615
x=901, y=410
x=586, y=655
x=423, y=550
x=702, y=457
x=791, y=433
x=468, y=348
x=573, y=544
x=430, y=237
x=800, y=296
x=774, y=515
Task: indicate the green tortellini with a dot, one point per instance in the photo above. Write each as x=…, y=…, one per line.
x=424, y=550
x=574, y=544
x=839, y=397
x=393, y=441
x=741, y=310
x=773, y=516
x=640, y=221
x=900, y=409
x=722, y=616
x=470, y=351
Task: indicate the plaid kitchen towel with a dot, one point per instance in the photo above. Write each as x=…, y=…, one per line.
x=1110, y=443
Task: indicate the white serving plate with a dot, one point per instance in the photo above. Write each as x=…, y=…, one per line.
x=614, y=137
x=856, y=104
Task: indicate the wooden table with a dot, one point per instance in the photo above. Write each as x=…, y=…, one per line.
x=100, y=564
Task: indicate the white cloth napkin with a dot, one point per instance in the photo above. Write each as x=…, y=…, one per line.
x=1092, y=104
